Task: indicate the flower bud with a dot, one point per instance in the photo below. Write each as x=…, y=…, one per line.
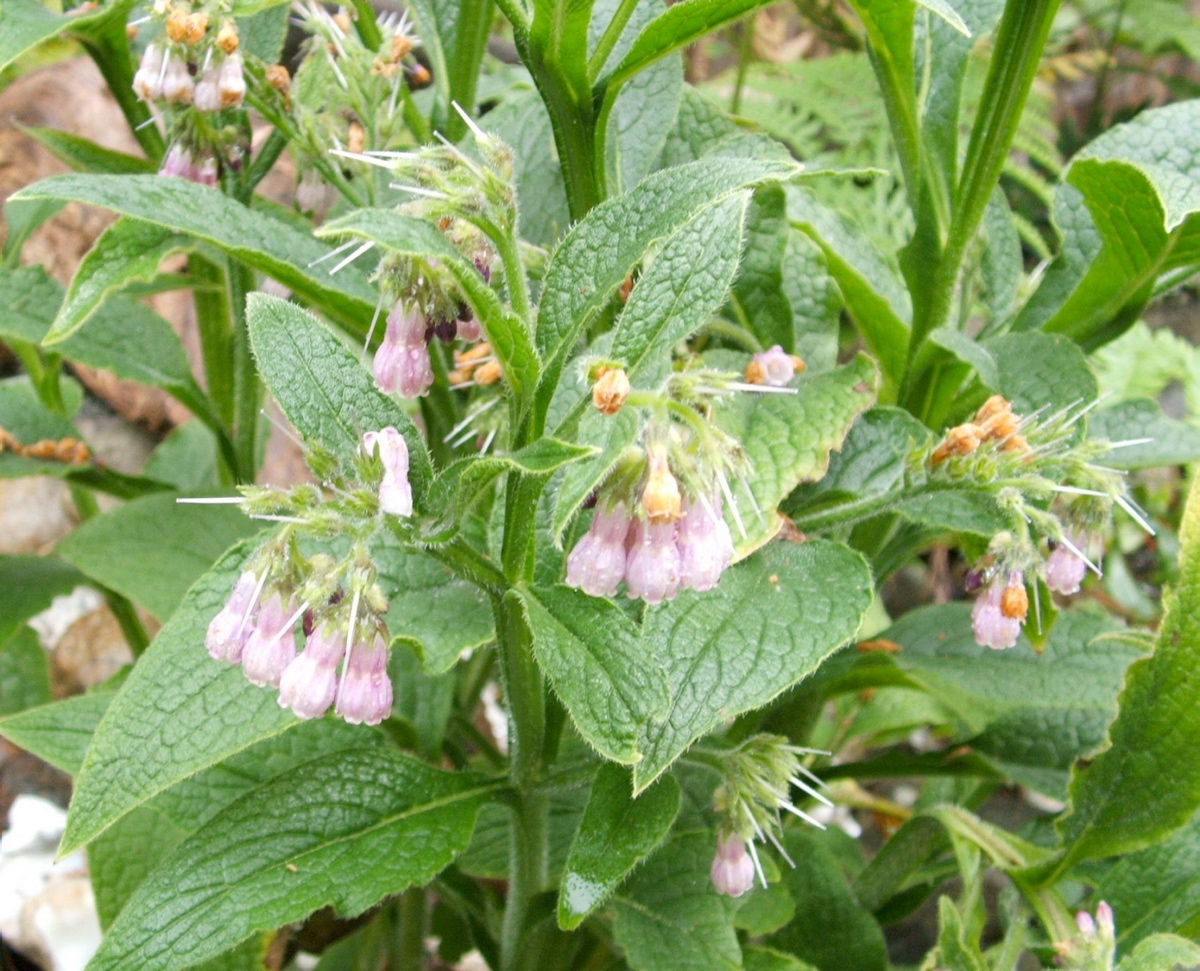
x=178, y=163
x=232, y=85
x=229, y=630
x=395, y=491
x=401, y=46
x=597, y=563
x=270, y=648
x=278, y=77
x=705, y=545
x=402, y=364
x=315, y=195
x=469, y=330
x=206, y=173
x=227, y=37
x=1065, y=568
x=993, y=628
x=365, y=694
x=610, y=391
x=147, y=82
x=652, y=563
x=489, y=372
x=660, y=497
x=207, y=96
x=960, y=440
x=309, y=684
x=774, y=368
x=1014, y=601
x=177, y=84
x=732, y=870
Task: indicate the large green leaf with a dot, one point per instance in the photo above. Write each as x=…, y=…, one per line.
x=258, y=239
x=1163, y=952
x=60, y=732
x=127, y=252
x=771, y=622
x=1042, y=371
x=178, y=713
x=615, y=834
x=24, y=24
x=24, y=673
x=607, y=676
x=321, y=386
x=669, y=917
x=1170, y=442
x=1146, y=783
x=788, y=439
x=342, y=831
x=1129, y=214
x=152, y=549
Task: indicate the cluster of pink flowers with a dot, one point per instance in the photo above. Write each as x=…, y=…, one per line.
x=656, y=559
x=164, y=75
x=182, y=164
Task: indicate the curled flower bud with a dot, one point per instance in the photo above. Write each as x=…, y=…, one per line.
x=231, y=84
x=652, y=564
x=1065, y=568
x=705, y=545
x=960, y=440
x=395, y=491
x=773, y=368
x=660, y=497
x=402, y=363
x=227, y=37
x=278, y=77
x=270, y=648
x=597, y=563
x=994, y=628
x=309, y=684
x=228, y=631
x=611, y=390
x=147, y=82
x=177, y=84
x=1014, y=601
x=365, y=694
x=732, y=870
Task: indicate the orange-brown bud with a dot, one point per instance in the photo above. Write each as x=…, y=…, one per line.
x=1016, y=443
x=488, y=372
x=467, y=357
x=278, y=77
x=960, y=440
x=356, y=140
x=178, y=25
x=798, y=361
x=626, y=289
x=420, y=75
x=131, y=31
x=1000, y=426
x=401, y=45
x=660, y=497
x=997, y=404
x=610, y=390
x=458, y=376
x=227, y=37
x=1014, y=602
x=342, y=19
x=756, y=373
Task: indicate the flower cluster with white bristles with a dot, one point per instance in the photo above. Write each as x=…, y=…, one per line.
x=338, y=606
x=756, y=790
x=1047, y=482
x=1094, y=947
x=659, y=520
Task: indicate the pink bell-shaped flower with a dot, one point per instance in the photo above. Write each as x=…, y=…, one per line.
x=147, y=82
x=597, y=563
x=402, y=363
x=207, y=96
x=994, y=627
x=231, y=84
x=229, y=630
x=177, y=83
x=309, y=684
x=1065, y=568
x=365, y=694
x=271, y=647
x=652, y=563
x=705, y=545
x=395, y=491
x=732, y=870
x=774, y=368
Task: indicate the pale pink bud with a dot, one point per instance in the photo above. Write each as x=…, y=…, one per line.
x=147, y=82
x=231, y=85
x=597, y=563
x=705, y=545
x=1065, y=569
x=207, y=96
x=270, y=647
x=309, y=684
x=228, y=631
x=469, y=330
x=206, y=173
x=178, y=163
x=774, y=368
x=732, y=870
x=652, y=564
x=314, y=194
x=1104, y=920
x=365, y=694
x=992, y=628
x=402, y=362
x=395, y=491
x=1087, y=926
x=177, y=83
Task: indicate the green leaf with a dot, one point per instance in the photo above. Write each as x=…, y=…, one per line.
x=252, y=236
x=321, y=386
x=1163, y=952
x=60, y=732
x=24, y=673
x=428, y=605
x=24, y=24
x=831, y=929
x=680, y=290
x=1156, y=889
x=27, y=586
x=1042, y=371
x=765, y=911
x=758, y=294
x=154, y=548
x=616, y=833
x=408, y=236
x=668, y=916
x=425, y=701
x=1030, y=711
x=768, y=959
x=178, y=713
x=343, y=831
x=126, y=252
x=1146, y=783
x=642, y=118
x=969, y=351
x=1171, y=442
x=262, y=34
x=1128, y=213
x=955, y=949
x=606, y=675
x=185, y=459
x=699, y=127
x=679, y=25
x=788, y=439
x=874, y=294
x=84, y=155
x=770, y=623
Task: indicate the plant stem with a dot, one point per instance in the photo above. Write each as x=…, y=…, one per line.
x=245, y=378
x=745, y=54
x=364, y=23
x=608, y=40
x=409, y=952
x=110, y=50
x=212, y=318
x=514, y=276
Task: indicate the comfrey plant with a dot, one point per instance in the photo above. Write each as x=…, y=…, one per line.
x=593, y=636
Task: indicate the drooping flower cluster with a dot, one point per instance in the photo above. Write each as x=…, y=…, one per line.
x=1094, y=947
x=339, y=607
x=1047, y=482
x=758, y=779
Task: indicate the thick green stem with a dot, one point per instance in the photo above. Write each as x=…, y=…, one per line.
x=514, y=275
x=110, y=50
x=212, y=318
x=745, y=55
x=608, y=40
x=409, y=951
x=246, y=387
x=364, y=23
